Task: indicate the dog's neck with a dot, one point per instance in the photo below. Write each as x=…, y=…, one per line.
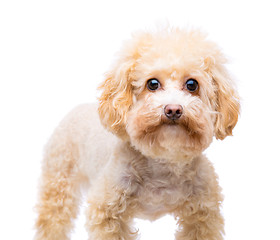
x=161, y=166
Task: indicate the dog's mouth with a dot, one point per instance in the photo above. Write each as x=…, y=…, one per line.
x=170, y=123
x=178, y=126
x=182, y=123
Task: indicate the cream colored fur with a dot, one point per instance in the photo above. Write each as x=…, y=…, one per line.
x=145, y=165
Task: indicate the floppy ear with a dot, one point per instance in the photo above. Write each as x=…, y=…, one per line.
x=227, y=102
x=116, y=97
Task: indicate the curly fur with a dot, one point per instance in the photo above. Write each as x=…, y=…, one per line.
x=145, y=165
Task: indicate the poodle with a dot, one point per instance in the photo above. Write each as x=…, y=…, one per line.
x=139, y=152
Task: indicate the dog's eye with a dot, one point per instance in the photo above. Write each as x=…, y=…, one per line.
x=153, y=84
x=192, y=85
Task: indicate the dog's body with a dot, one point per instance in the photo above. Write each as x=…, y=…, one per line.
x=161, y=116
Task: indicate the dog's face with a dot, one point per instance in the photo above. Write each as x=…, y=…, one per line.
x=169, y=94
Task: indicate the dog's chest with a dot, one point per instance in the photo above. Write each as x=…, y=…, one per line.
x=162, y=190
x=158, y=195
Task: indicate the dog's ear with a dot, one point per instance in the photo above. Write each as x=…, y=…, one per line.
x=116, y=97
x=227, y=101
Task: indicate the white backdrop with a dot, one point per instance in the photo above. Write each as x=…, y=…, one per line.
x=53, y=55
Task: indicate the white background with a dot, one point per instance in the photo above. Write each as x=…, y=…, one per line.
x=53, y=55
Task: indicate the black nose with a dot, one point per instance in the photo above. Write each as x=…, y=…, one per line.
x=173, y=111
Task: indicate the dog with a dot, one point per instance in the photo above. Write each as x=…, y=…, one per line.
x=139, y=152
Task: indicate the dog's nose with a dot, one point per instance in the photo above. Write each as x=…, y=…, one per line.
x=173, y=111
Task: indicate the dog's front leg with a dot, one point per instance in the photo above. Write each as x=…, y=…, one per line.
x=200, y=223
x=199, y=218
x=110, y=212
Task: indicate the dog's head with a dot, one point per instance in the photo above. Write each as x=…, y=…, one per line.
x=169, y=94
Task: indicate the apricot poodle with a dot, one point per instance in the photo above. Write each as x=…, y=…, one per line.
x=165, y=98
